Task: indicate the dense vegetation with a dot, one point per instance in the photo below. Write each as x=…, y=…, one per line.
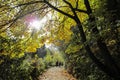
x=85, y=32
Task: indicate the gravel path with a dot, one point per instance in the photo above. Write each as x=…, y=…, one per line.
x=56, y=73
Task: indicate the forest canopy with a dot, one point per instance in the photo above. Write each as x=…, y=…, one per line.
x=77, y=28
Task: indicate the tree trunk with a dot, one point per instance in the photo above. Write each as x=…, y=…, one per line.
x=91, y=54
x=109, y=61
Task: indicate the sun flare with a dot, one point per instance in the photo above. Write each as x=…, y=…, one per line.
x=35, y=24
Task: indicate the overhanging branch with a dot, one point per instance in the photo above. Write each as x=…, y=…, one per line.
x=58, y=10
x=80, y=10
x=11, y=22
x=77, y=3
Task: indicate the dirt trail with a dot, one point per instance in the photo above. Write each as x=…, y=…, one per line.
x=56, y=73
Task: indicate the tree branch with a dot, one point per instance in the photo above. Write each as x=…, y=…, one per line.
x=87, y=4
x=58, y=10
x=20, y=16
x=73, y=10
x=20, y=5
x=80, y=10
x=77, y=4
x=29, y=3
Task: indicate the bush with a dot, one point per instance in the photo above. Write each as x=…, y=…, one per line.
x=20, y=68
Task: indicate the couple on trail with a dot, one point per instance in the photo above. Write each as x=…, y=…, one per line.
x=58, y=63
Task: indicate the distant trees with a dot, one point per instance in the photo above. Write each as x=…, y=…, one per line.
x=41, y=52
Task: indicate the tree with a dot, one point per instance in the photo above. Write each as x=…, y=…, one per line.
x=73, y=11
x=109, y=61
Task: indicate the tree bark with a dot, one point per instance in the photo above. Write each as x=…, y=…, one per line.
x=109, y=61
x=91, y=54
